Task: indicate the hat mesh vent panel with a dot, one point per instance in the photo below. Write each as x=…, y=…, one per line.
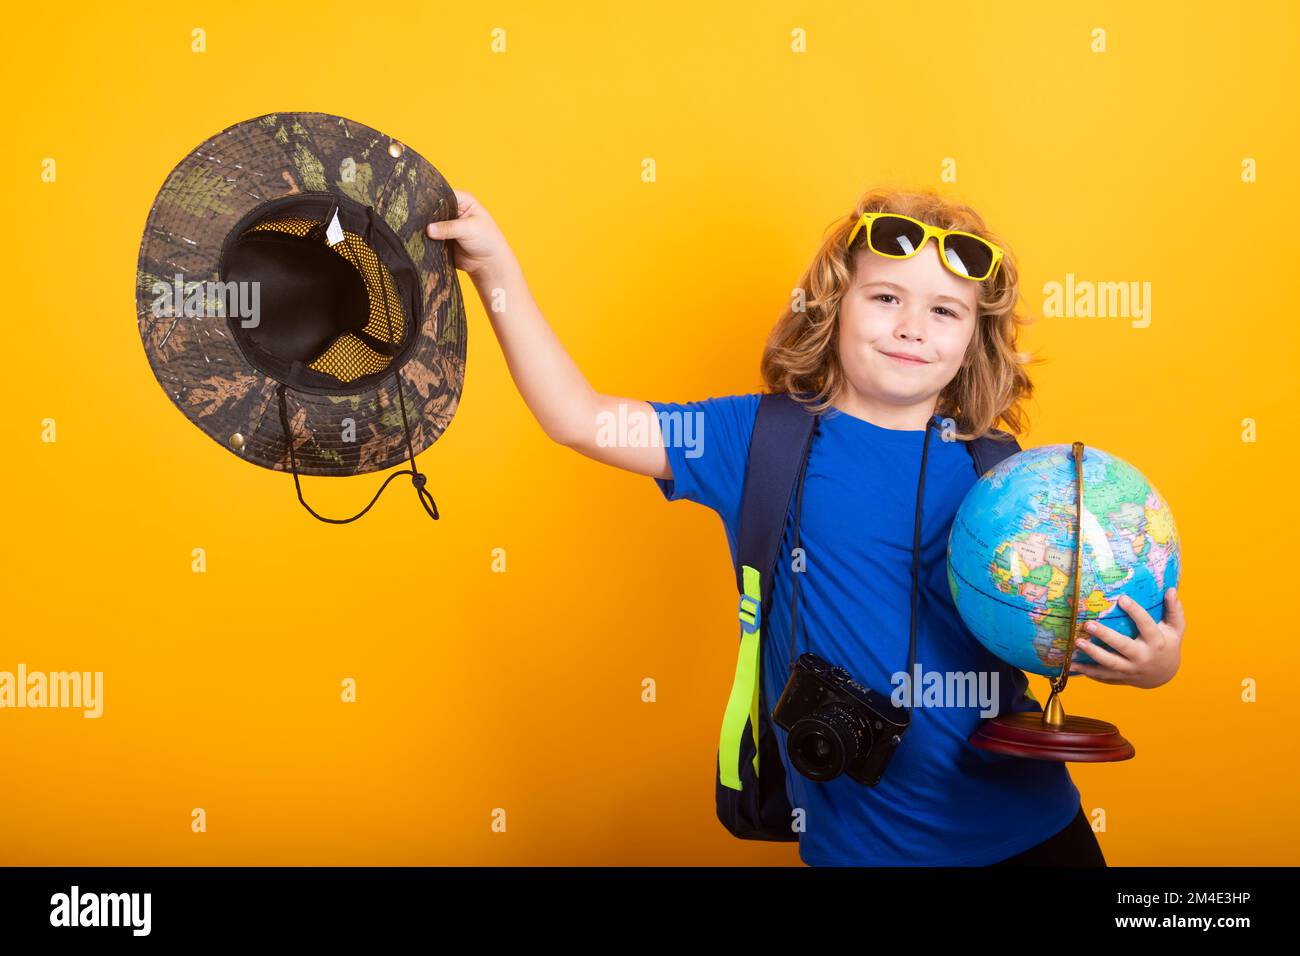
x=348, y=358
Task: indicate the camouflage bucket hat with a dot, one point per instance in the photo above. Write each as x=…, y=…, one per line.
x=291, y=306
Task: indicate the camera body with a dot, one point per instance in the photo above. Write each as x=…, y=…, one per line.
x=835, y=725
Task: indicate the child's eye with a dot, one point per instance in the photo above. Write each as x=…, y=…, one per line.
x=886, y=295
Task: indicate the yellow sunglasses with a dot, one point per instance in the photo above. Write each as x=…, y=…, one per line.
x=896, y=236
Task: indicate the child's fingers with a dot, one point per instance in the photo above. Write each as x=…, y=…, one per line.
x=448, y=229
x=1174, y=611
x=1096, y=673
x=459, y=227
x=1146, y=624
x=1108, y=661
x=464, y=200
x=1124, y=645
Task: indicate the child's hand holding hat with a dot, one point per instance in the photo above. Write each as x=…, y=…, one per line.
x=480, y=248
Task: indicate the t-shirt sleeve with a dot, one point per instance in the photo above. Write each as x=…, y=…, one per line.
x=708, y=447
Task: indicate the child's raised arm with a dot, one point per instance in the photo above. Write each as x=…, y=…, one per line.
x=569, y=410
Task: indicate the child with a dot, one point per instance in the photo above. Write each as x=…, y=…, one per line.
x=895, y=342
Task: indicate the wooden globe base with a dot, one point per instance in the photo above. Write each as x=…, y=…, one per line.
x=1026, y=734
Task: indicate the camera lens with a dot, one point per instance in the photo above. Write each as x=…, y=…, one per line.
x=824, y=743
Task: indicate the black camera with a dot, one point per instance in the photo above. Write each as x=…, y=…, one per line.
x=836, y=725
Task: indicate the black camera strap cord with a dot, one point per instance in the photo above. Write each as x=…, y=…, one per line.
x=916, y=555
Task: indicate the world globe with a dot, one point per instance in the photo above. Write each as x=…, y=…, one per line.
x=1011, y=553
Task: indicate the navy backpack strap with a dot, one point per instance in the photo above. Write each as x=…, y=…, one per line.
x=986, y=453
x=779, y=444
x=990, y=450
x=777, y=448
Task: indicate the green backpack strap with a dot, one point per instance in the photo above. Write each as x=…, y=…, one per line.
x=743, y=702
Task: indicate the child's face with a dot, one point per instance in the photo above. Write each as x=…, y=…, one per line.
x=910, y=307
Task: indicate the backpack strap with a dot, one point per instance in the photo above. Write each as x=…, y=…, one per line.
x=777, y=450
x=986, y=453
x=990, y=450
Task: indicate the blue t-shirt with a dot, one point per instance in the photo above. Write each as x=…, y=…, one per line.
x=941, y=801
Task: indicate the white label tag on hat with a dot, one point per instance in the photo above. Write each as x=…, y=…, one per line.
x=334, y=231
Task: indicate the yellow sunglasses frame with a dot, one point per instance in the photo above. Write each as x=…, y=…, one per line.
x=868, y=217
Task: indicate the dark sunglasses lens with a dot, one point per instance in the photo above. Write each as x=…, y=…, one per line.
x=968, y=256
x=892, y=236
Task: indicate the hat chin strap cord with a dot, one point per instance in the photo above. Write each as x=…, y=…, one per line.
x=417, y=479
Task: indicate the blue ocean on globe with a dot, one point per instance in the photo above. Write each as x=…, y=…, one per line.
x=1011, y=553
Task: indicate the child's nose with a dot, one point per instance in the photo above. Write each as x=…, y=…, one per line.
x=911, y=323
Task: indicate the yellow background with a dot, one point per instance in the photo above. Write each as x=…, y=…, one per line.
x=522, y=690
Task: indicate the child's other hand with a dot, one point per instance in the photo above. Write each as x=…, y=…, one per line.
x=1148, y=660
x=479, y=246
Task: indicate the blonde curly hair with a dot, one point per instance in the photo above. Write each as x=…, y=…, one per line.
x=801, y=356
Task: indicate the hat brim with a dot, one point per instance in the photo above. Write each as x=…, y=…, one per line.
x=197, y=361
